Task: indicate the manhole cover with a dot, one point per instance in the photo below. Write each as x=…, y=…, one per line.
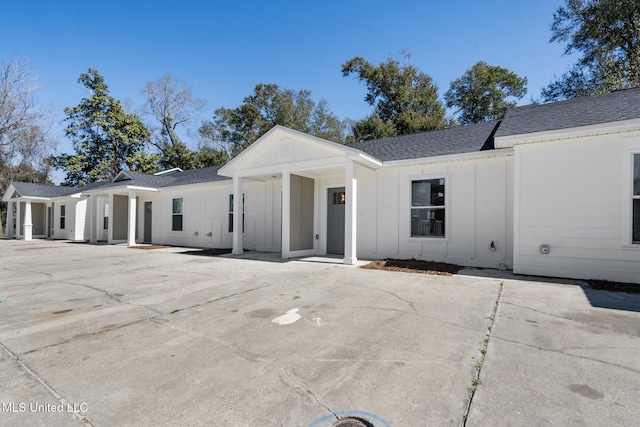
x=352, y=422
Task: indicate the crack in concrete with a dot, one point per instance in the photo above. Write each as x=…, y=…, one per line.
x=220, y=298
x=88, y=334
x=563, y=352
x=74, y=412
x=483, y=353
x=294, y=379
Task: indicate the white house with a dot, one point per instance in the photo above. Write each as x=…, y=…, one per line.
x=552, y=189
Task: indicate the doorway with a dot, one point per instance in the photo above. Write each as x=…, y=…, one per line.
x=335, y=220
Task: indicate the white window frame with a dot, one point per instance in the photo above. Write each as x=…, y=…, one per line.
x=635, y=195
x=230, y=216
x=445, y=208
x=174, y=214
x=63, y=217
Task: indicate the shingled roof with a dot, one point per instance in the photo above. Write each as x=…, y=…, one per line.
x=456, y=140
x=585, y=111
x=29, y=189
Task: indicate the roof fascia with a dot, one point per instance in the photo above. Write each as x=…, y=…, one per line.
x=622, y=126
x=475, y=155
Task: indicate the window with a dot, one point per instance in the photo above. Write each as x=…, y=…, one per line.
x=635, y=233
x=63, y=212
x=427, y=208
x=231, y=213
x=176, y=222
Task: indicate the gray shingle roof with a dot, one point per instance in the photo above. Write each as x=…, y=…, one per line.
x=589, y=110
x=457, y=140
x=195, y=176
x=28, y=189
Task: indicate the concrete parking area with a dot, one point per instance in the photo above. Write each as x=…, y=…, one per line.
x=111, y=335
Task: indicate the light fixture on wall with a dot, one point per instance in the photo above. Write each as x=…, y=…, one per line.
x=492, y=246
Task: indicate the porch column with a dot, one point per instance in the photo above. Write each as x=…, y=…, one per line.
x=48, y=212
x=286, y=214
x=9, y=220
x=237, y=216
x=110, y=221
x=92, y=216
x=28, y=225
x=131, y=229
x=350, y=213
x=18, y=220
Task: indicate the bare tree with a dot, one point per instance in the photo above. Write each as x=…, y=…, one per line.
x=171, y=103
x=25, y=128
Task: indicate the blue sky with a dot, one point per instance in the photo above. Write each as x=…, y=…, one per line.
x=223, y=49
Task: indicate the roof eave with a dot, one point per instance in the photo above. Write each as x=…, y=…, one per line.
x=622, y=126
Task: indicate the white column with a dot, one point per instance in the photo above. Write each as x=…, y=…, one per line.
x=18, y=220
x=131, y=229
x=47, y=220
x=110, y=221
x=286, y=214
x=9, y=220
x=237, y=216
x=28, y=225
x=350, y=213
x=92, y=215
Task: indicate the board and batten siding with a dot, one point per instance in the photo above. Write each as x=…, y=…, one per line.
x=206, y=216
x=478, y=204
x=575, y=196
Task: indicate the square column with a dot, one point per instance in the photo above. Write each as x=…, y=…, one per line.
x=237, y=216
x=350, y=213
x=9, y=227
x=28, y=225
x=286, y=214
x=19, y=221
x=131, y=229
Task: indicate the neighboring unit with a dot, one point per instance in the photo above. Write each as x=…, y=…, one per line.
x=552, y=189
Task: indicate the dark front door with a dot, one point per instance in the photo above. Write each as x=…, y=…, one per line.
x=335, y=221
x=147, y=222
x=49, y=221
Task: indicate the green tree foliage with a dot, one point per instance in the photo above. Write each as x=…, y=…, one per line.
x=234, y=129
x=405, y=100
x=105, y=138
x=481, y=93
x=607, y=34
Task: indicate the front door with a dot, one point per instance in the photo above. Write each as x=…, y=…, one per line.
x=335, y=221
x=49, y=221
x=147, y=222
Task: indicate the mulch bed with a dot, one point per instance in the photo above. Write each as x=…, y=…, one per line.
x=603, y=285
x=414, y=266
x=150, y=247
x=208, y=252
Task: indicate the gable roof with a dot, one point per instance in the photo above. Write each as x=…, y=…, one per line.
x=456, y=140
x=29, y=189
x=589, y=110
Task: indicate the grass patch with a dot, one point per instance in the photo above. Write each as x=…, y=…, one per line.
x=414, y=266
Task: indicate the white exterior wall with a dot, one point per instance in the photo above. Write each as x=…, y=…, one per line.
x=79, y=229
x=575, y=196
x=206, y=210
x=479, y=210
x=69, y=231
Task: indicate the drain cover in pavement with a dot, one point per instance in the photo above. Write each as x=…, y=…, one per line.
x=352, y=422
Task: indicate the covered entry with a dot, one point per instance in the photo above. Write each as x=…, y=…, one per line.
x=307, y=167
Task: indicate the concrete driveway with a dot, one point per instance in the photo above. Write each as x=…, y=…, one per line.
x=109, y=335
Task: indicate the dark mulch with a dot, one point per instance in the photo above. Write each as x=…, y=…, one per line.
x=414, y=266
x=150, y=247
x=208, y=252
x=603, y=285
